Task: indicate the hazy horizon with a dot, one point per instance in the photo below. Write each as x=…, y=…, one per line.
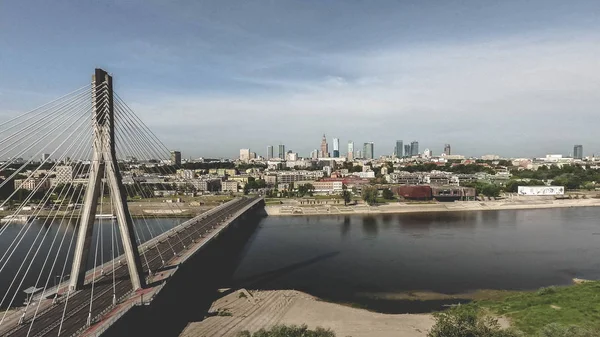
x=512, y=78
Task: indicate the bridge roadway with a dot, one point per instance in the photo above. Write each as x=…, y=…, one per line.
x=76, y=307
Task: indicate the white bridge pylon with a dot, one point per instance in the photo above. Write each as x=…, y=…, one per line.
x=104, y=164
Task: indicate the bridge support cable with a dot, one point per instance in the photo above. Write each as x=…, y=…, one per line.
x=41, y=205
x=144, y=145
x=42, y=108
x=41, y=183
x=62, y=137
x=72, y=216
x=26, y=138
x=24, y=229
x=139, y=147
x=126, y=148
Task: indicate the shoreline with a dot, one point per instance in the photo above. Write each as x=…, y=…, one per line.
x=403, y=207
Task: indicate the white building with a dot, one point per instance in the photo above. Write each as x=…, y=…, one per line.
x=245, y=155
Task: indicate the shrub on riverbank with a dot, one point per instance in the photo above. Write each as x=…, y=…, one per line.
x=468, y=322
x=289, y=331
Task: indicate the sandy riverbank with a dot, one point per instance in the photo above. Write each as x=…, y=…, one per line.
x=401, y=207
x=262, y=309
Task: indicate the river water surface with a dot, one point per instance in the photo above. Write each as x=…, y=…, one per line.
x=365, y=260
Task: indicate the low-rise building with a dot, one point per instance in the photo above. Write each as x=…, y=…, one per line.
x=229, y=186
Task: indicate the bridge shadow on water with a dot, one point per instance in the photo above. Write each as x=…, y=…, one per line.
x=188, y=295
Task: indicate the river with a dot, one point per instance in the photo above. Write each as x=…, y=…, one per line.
x=376, y=261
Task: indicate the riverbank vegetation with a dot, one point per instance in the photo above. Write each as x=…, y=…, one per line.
x=289, y=331
x=570, y=311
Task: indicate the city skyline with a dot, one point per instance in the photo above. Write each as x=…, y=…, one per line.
x=462, y=73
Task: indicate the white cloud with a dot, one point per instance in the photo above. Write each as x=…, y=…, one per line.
x=492, y=96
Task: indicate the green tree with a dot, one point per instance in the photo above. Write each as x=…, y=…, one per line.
x=346, y=195
x=388, y=194
x=369, y=194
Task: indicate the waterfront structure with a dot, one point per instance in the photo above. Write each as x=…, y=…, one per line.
x=281, y=151
x=350, y=153
x=245, y=155
x=414, y=148
x=447, y=149
x=175, y=158
x=369, y=150
x=336, y=147
x=578, y=152
x=324, y=147
x=541, y=190
x=269, y=152
x=398, y=149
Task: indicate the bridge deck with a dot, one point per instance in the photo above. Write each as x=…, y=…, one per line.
x=162, y=254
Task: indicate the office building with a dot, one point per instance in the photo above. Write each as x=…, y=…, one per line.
x=414, y=148
x=407, y=150
x=175, y=158
x=245, y=155
x=269, y=152
x=314, y=154
x=350, y=150
x=447, y=150
x=398, y=149
x=324, y=147
x=369, y=150
x=45, y=156
x=336, y=147
x=359, y=154
x=281, y=151
x=578, y=151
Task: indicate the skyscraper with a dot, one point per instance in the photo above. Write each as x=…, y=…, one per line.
x=578, y=151
x=324, y=147
x=399, y=148
x=175, y=158
x=369, y=150
x=314, y=154
x=414, y=148
x=447, y=150
x=281, y=151
x=269, y=152
x=350, y=150
x=336, y=147
x=407, y=150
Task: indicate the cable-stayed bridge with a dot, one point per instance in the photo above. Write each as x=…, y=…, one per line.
x=73, y=258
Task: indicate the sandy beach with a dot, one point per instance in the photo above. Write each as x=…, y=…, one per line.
x=262, y=309
x=294, y=207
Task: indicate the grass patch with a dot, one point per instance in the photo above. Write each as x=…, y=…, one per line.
x=531, y=311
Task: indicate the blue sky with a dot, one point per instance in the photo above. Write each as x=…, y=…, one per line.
x=515, y=78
